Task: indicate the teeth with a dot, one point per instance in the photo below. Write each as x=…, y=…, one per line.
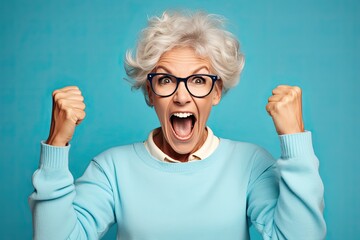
x=182, y=115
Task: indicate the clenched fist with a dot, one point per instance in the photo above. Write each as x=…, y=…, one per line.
x=67, y=112
x=284, y=106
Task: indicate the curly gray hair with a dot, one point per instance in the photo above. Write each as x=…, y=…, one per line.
x=203, y=32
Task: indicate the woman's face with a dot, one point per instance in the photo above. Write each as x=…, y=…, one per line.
x=183, y=117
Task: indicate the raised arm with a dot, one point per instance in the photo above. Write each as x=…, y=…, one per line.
x=58, y=207
x=285, y=200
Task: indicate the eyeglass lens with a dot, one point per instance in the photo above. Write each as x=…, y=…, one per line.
x=165, y=85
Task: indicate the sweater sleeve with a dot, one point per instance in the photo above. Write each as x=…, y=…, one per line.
x=285, y=197
x=59, y=208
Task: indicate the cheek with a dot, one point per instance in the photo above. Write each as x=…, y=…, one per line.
x=160, y=109
x=204, y=110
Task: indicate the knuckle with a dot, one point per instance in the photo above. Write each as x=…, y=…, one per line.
x=55, y=94
x=292, y=93
x=60, y=102
x=297, y=89
x=57, y=97
x=75, y=88
x=269, y=107
x=81, y=106
x=276, y=107
x=72, y=88
x=69, y=113
x=286, y=98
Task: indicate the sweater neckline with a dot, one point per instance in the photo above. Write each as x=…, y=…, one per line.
x=148, y=159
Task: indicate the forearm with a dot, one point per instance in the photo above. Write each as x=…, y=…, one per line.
x=299, y=209
x=51, y=202
x=285, y=199
x=58, y=212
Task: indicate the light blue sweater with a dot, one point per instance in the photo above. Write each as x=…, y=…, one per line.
x=214, y=198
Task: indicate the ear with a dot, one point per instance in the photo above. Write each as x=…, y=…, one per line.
x=217, y=92
x=150, y=93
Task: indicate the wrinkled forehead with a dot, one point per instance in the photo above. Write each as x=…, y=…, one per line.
x=183, y=60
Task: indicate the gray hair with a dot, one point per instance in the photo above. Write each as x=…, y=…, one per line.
x=203, y=32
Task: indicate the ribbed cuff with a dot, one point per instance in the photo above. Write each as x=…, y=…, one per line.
x=53, y=156
x=296, y=145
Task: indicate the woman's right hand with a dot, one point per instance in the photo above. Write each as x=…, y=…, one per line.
x=67, y=112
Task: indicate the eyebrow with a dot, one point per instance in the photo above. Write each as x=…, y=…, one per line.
x=170, y=72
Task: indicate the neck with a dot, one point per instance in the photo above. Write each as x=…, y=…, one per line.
x=164, y=146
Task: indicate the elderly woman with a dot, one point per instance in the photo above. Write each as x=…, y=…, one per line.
x=183, y=182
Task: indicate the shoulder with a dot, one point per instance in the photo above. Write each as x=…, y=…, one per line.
x=117, y=154
x=245, y=147
x=122, y=149
x=254, y=155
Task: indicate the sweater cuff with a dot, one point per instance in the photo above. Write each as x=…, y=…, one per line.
x=53, y=156
x=296, y=145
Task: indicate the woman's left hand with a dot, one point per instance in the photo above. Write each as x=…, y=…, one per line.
x=284, y=106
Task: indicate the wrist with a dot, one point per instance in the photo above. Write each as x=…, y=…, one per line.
x=53, y=141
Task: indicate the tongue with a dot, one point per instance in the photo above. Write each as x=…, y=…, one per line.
x=182, y=126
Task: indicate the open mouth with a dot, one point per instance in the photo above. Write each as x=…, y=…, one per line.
x=182, y=124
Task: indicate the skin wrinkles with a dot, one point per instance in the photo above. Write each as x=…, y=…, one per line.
x=182, y=62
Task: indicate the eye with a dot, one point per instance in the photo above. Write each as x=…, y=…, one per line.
x=198, y=80
x=165, y=80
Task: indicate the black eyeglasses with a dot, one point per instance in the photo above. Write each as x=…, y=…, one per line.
x=198, y=85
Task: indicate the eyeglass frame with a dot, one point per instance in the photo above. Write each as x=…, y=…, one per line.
x=214, y=78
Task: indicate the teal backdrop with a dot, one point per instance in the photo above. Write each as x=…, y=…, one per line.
x=46, y=45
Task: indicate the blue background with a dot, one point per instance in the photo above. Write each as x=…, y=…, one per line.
x=46, y=45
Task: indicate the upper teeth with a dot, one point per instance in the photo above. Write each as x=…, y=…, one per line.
x=182, y=115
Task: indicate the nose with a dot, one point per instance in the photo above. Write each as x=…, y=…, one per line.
x=182, y=96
